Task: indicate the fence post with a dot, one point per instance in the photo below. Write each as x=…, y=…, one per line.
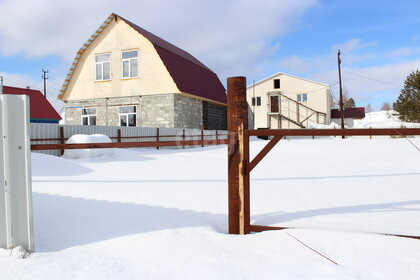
x=62, y=139
x=217, y=138
x=157, y=137
x=370, y=135
x=183, y=137
x=202, y=137
x=238, y=156
x=119, y=135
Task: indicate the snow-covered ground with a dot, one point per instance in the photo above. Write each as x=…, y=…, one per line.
x=383, y=119
x=162, y=214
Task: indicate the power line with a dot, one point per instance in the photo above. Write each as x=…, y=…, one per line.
x=373, y=79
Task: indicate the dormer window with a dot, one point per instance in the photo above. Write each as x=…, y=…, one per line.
x=130, y=64
x=103, y=67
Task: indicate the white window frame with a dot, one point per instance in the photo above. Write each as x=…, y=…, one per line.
x=88, y=116
x=300, y=97
x=129, y=64
x=102, y=67
x=127, y=115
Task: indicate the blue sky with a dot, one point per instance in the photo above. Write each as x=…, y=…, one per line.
x=379, y=40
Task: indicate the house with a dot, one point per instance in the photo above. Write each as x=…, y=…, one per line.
x=126, y=76
x=350, y=114
x=286, y=101
x=41, y=111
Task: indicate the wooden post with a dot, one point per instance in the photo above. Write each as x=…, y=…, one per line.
x=62, y=139
x=183, y=137
x=119, y=135
x=157, y=137
x=202, y=137
x=238, y=157
x=217, y=138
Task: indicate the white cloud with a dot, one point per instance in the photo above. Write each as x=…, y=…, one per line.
x=23, y=81
x=352, y=45
x=228, y=36
x=403, y=51
x=374, y=84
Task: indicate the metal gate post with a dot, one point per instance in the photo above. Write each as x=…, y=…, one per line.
x=238, y=156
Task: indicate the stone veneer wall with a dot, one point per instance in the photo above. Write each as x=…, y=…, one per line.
x=166, y=110
x=188, y=112
x=156, y=111
x=107, y=110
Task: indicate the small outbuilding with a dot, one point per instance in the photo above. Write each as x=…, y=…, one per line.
x=350, y=114
x=41, y=111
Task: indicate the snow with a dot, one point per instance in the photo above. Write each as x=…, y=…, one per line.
x=87, y=153
x=162, y=214
x=383, y=119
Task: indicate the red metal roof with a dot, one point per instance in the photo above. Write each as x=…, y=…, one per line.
x=39, y=105
x=351, y=113
x=189, y=74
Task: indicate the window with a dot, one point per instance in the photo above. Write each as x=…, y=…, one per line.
x=302, y=97
x=130, y=64
x=128, y=116
x=276, y=83
x=103, y=67
x=89, y=116
x=256, y=101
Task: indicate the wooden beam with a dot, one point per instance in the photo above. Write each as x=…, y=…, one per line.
x=127, y=144
x=336, y=132
x=270, y=145
x=237, y=113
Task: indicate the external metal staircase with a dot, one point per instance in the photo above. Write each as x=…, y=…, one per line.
x=289, y=113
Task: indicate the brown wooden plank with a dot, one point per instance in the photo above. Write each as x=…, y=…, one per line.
x=35, y=147
x=336, y=132
x=263, y=152
x=62, y=141
x=237, y=113
x=256, y=228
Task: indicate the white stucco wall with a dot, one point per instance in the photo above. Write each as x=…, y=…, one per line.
x=319, y=98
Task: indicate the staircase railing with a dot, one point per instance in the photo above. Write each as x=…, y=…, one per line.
x=293, y=111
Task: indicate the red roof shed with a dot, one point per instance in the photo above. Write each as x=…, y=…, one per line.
x=41, y=110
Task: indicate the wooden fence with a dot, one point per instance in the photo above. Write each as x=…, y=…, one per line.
x=51, y=138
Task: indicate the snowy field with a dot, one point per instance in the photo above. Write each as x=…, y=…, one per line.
x=149, y=214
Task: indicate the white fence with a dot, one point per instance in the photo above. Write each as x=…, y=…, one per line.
x=52, y=135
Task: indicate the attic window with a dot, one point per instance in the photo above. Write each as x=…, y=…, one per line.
x=276, y=83
x=130, y=64
x=103, y=67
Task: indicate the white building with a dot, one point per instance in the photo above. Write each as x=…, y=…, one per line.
x=286, y=101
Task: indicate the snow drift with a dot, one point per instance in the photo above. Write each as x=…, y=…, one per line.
x=88, y=153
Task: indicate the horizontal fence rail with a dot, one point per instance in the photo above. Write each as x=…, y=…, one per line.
x=335, y=132
x=128, y=144
x=51, y=138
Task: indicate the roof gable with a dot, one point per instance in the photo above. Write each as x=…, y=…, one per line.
x=189, y=74
x=40, y=108
x=284, y=74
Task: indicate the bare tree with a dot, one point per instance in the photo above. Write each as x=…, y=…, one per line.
x=369, y=108
x=386, y=106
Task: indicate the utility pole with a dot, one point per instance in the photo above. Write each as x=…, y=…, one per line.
x=341, y=92
x=1, y=85
x=45, y=78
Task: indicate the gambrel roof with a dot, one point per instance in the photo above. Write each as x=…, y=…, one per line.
x=189, y=74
